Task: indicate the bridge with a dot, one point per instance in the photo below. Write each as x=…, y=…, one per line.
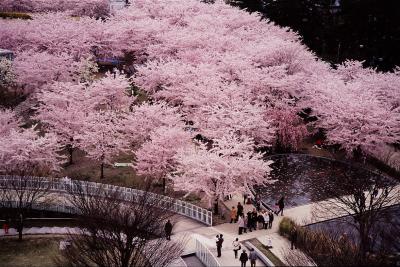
x=63, y=186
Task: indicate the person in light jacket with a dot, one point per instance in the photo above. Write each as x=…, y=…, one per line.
x=240, y=224
x=236, y=247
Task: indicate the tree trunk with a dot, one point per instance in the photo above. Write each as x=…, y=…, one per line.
x=20, y=234
x=20, y=227
x=70, y=150
x=216, y=208
x=364, y=242
x=102, y=171
x=163, y=184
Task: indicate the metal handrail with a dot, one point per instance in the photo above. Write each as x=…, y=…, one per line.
x=204, y=254
x=127, y=194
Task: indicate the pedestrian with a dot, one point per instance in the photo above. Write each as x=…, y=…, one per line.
x=239, y=211
x=266, y=219
x=249, y=221
x=254, y=217
x=293, y=238
x=258, y=203
x=6, y=226
x=233, y=214
x=219, y=245
x=244, y=198
x=260, y=220
x=168, y=230
x=243, y=258
x=269, y=243
x=236, y=247
x=271, y=219
x=281, y=205
x=241, y=224
x=252, y=257
x=245, y=223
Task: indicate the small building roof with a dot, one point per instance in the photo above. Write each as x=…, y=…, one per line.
x=5, y=52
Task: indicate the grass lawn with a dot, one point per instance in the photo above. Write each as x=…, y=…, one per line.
x=32, y=251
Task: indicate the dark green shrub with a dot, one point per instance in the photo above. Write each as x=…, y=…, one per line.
x=286, y=226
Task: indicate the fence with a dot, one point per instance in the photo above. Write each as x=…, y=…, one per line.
x=63, y=186
x=204, y=254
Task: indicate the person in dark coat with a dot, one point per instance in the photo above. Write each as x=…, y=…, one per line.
x=168, y=230
x=219, y=245
x=239, y=211
x=271, y=218
x=254, y=216
x=293, y=238
x=281, y=205
x=260, y=220
x=249, y=220
x=243, y=258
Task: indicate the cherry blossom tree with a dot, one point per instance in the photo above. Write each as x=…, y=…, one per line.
x=354, y=117
x=111, y=92
x=8, y=122
x=291, y=130
x=156, y=157
x=229, y=166
x=57, y=34
x=24, y=152
x=95, y=8
x=25, y=157
x=103, y=137
x=62, y=109
x=147, y=117
x=33, y=70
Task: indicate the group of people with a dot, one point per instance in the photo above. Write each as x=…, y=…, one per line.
x=243, y=256
x=253, y=220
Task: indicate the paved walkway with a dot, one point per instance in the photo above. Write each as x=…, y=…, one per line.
x=184, y=227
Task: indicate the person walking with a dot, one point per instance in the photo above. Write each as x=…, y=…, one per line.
x=168, y=230
x=241, y=224
x=252, y=257
x=245, y=198
x=271, y=219
x=236, y=247
x=293, y=238
x=239, y=211
x=233, y=215
x=281, y=205
x=219, y=245
x=243, y=258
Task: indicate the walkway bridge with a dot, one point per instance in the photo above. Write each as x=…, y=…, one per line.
x=64, y=186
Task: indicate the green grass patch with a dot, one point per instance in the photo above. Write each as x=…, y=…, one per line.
x=271, y=256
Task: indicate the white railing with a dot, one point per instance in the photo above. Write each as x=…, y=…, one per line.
x=63, y=186
x=204, y=254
